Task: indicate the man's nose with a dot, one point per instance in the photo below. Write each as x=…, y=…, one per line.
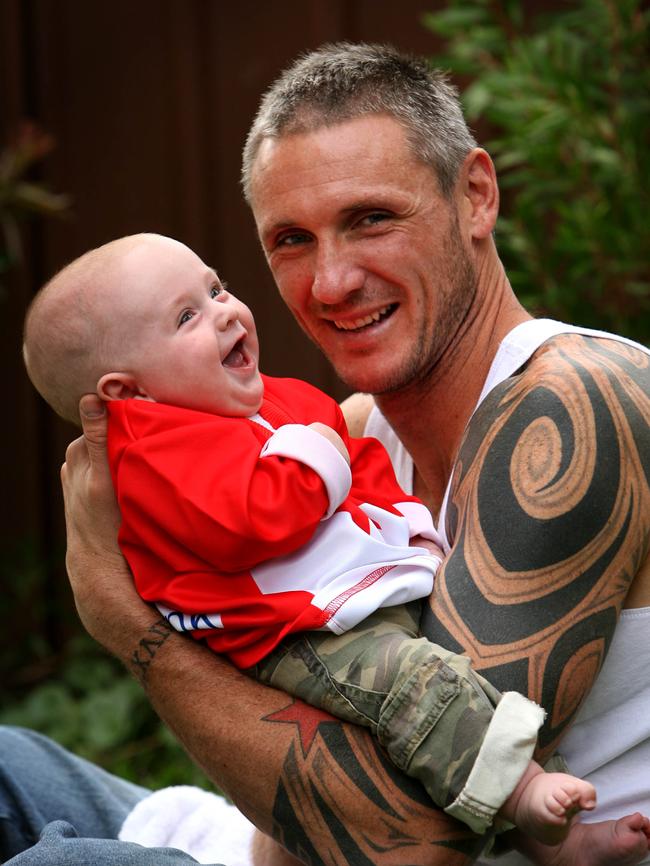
x=336, y=274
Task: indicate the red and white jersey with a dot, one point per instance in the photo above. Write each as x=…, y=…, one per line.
x=244, y=530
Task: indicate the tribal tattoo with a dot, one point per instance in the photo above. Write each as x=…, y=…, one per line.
x=550, y=522
x=331, y=770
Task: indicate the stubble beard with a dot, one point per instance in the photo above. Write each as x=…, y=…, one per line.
x=435, y=339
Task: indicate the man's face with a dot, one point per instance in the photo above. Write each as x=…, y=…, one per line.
x=365, y=250
x=185, y=339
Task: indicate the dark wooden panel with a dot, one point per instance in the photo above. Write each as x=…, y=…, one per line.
x=234, y=89
x=149, y=103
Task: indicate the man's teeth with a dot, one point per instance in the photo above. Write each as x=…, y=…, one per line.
x=354, y=324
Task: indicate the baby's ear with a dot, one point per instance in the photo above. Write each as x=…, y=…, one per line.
x=119, y=386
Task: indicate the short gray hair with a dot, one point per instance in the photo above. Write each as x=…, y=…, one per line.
x=342, y=81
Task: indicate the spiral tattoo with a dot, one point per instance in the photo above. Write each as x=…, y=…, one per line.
x=550, y=520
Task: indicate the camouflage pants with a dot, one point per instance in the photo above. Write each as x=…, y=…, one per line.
x=425, y=705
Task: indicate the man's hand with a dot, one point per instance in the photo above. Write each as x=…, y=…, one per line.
x=100, y=579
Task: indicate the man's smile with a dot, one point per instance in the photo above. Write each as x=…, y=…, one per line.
x=362, y=322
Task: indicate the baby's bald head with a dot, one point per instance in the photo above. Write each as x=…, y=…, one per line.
x=71, y=335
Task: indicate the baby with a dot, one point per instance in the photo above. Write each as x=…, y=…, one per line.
x=253, y=521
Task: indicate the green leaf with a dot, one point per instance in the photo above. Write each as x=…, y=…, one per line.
x=565, y=97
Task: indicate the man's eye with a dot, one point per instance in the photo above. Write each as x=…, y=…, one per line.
x=184, y=317
x=374, y=218
x=292, y=239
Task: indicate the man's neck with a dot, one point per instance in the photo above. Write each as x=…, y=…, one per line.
x=430, y=417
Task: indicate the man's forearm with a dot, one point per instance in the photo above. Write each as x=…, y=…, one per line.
x=321, y=788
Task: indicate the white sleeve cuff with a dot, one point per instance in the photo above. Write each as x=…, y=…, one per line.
x=301, y=443
x=419, y=520
x=505, y=753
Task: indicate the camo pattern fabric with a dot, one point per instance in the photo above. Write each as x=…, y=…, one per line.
x=424, y=704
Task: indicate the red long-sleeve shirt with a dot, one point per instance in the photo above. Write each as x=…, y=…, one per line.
x=243, y=530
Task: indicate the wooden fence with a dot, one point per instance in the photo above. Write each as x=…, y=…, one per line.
x=149, y=103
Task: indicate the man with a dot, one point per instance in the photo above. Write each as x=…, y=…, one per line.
x=376, y=211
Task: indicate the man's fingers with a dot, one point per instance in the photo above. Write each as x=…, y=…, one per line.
x=74, y=453
x=85, y=475
x=94, y=422
x=91, y=406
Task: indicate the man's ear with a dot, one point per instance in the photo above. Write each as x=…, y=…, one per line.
x=119, y=386
x=480, y=193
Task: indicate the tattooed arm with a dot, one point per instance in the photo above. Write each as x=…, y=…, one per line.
x=550, y=520
x=322, y=788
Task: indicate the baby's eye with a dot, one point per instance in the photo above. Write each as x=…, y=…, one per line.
x=216, y=290
x=184, y=317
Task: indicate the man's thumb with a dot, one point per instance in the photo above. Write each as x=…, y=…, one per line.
x=92, y=412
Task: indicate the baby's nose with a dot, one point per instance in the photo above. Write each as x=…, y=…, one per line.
x=225, y=316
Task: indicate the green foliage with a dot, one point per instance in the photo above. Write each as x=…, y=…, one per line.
x=566, y=98
x=89, y=704
x=31, y=611
x=64, y=685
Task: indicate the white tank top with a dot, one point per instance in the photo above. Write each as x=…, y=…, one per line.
x=609, y=742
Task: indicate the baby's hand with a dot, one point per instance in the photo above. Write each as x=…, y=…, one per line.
x=332, y=436
x=431, y=546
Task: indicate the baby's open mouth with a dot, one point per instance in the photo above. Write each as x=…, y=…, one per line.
x=236, y=357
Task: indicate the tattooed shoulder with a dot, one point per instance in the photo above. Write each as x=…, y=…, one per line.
x=549, y=518
x=579, y=401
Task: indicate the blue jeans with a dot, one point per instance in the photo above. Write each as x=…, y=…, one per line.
x=58, y=810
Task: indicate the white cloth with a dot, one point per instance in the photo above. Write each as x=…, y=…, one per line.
x=616, y=723
x=202, y=824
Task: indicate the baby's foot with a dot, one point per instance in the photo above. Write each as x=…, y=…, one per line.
x=548, y=804
x=605, y=843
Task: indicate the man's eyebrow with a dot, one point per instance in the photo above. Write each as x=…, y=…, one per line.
x=380, y=200
x=371, y=203
x=374, y=201
x=277, y=226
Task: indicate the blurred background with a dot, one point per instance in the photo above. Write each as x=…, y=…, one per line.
x=118, y=117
